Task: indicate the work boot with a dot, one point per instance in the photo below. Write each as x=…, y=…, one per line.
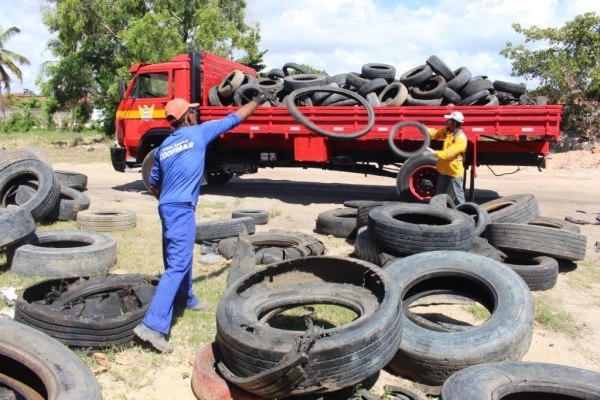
x=156, y=339
x=200, y=306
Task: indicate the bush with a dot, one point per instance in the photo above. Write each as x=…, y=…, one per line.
x=19, y=122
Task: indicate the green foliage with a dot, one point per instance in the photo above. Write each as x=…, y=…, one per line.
x=9, y=60
x=567, y=64
x=98, y=40
x=19, y=122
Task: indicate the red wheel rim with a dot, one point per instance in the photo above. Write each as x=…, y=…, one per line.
x=422, y=182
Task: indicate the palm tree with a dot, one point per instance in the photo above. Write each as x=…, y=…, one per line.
x=7, y=63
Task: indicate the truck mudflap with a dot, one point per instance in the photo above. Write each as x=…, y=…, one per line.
x=117, y=157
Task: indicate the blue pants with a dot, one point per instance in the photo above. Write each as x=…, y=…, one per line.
x=175, y=285
x=451, y=185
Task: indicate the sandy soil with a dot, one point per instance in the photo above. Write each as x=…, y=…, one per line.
x=568, y=187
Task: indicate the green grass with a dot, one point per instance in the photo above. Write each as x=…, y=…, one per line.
x=478, y=311
x=549, y=313
x=274, y=212
x=325, y=316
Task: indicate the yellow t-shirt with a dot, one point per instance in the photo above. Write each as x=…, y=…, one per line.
x=450, y=158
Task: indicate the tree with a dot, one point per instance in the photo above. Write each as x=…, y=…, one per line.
x=7, y=63
x=568, y=68
x=98, y=40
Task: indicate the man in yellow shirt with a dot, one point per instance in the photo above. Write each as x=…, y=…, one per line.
x=450, y=158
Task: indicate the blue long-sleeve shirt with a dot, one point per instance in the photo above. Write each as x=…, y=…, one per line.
x=179, y=161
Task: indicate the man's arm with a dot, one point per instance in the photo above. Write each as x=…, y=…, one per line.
x=458, y=147
x=155, y=191
x=247, y=109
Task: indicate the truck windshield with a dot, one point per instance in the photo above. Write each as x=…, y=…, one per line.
x=151, y=85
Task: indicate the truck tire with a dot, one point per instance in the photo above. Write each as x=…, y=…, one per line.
x=245, y=93
x=375, y=86
x=147, y=166
x=556, y=243
x=308, y=124
x=80, y=311
x=223, y=229
x=377, y=70
x=362, y=213
x=429, y=356
x=260, y=217
x=230, y=83
x=440, y=68
x=522, y=380
x=213, y=97
x=208, y=384
x=341, y=356
x=442, y=200
x=476, y=85
x=340, y=222
x=41, y=363
x=356, y=80
x=463, y=74
x=394, y=94
x=40, y=154
x=293, y=66
x=71, y=201
x=10, y=157
x=47, y=195
x=412, y=101
x=555, y=223
x=298, y=81
x=74, y=180
x=275, y=73
x=450, y=96
x=407, y=154
x=538, y=272
x=516, y=89
x=416, y=76
x=276, y=245
x=478, y=213
x=482, y=247
x=106, y=220
x=518, y=208
x=15, y=224
x=474, y=98
x=365, y=248
x=64, y=253
x=406, y=229
x=417, y=179
x=433, y=88
x=355, y=203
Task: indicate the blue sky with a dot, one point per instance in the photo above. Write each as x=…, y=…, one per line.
x=341, y=35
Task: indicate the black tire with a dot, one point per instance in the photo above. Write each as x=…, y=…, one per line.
x=147, y=166
x=275, y=73
x=417, y=178
x=260, y=217
x=412, y=101
x=440, y=68
x=74, y=180
x=97, y=312
x=516, y=89
x=213, y=97
x=299, y=81
x=245, y=93
x=10, y=157
x=106, y=220
x=522, y=380
x=519, y=208
x=433, y=88
x=355, y=203
x=555, y=223
x=43, y=364
x=365, y=248
x=355, y=352
x=478, y=213
x=476, y=85
x=407, y=154
x=374, y=86
x=308, y=124
x=356, y=80
x=482, y=247
x=362, y=213
x=340, y=222
x=377, y=70
x=223, y=229
x=474, y=98
x=339, y=79
x=489, y=100
x=416, y=76
x=450, y=96
x=293, y=66
x=71, y=201
x=538, y=272
x=556, y=243
x=270, y=85
x=64, y=253
x=230, y=83
x=47, y=195
x=442, y=200
x=430, y=356
x=373, y=99
x=276, y=245
x=405, y=229
x=15, y=224
x=394, y=94
x=463, y=75
x=318, y=98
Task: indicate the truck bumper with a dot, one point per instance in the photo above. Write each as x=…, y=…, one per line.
x=117, y=157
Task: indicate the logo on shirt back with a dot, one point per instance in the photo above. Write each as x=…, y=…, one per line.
x=176, y=148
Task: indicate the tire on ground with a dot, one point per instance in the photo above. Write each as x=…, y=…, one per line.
x=362, y=213
x=478, y=213
x=518, y=208
x=339, y=222
x=223, y=229
x=521, y=380
x=15, y=224
x=71, y=201
x=555, y=223
x=52, y=367
x=64, y=253
x=538, y=272
x=106, y=220
x=341, y=356
x=260, y=217
x=406, y=229
x=74, y=180
x=430, y=357
x=442, y=200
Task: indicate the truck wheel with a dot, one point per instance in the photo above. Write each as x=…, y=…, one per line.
x=147, y=168
x=417, y=179
x=217, y=178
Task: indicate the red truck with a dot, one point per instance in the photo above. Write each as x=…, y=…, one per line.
x=271, y=137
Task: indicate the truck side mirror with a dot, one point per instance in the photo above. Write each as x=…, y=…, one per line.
x=121, y=85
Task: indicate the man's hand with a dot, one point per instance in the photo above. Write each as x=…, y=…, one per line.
x=428, y=151
x=260, y=97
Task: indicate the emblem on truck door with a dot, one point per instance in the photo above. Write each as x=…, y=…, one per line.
x=146, y=112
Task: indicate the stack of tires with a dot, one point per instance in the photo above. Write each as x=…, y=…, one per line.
x=430, y=84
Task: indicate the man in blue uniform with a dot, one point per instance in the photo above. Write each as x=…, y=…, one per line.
x=175, y=181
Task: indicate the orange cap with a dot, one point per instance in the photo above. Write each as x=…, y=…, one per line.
x=178, y=107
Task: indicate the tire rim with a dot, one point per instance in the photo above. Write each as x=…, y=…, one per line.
x=422, y=182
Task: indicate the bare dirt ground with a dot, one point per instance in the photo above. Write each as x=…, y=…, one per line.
x=568, y=187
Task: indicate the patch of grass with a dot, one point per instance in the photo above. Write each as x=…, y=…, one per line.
x=586, y=275
x=478, y=311
x=219, y=205
x=274, y=212
x=326, y=316
x=549, y=313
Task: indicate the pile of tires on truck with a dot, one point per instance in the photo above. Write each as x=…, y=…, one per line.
x=430, y=84
x=406, y=255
